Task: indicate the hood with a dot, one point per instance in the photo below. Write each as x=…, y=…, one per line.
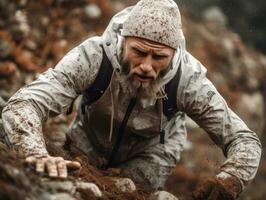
x=112, y=43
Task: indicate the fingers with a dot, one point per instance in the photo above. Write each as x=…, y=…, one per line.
x=62, y=168
x=51, y=167
x=31, y=159
x=72, y=164
x=40, y=165
x=55, y=166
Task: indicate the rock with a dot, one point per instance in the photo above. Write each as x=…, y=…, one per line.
x=58, y=196
x=2, y=104
x=59, y=49
x=7, y=68
x=250, y=107
x=215, y=15
x=45, y=21
x=3, y=8
x=24, y=59
x=229, y=46
x=22, y=3
x=125, y=185
x=65, y=186
x=20, y=27
x=252, y=71
x=30, y=44
x=3, y=146
x=5, y=48
x=162, y=195
x=89, y=186
x=93, y=11
x=29, y=78
x=118, y=6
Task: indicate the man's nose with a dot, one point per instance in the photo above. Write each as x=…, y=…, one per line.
x=146, y=65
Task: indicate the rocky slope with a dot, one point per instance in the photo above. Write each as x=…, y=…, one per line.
x=35, y=35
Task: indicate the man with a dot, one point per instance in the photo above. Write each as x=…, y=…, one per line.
x=145, y=46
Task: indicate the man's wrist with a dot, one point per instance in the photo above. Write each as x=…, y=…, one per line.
x=37, y=154
x=231, y=183
x=225, y=175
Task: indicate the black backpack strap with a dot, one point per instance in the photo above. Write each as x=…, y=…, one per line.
x=100, y=84
x=169, y=103
x=120, y=134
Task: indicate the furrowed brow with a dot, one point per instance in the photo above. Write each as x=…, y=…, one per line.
x=161, y=54
x=137, y=49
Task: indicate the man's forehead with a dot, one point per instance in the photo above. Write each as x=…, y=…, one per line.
x=141, y=42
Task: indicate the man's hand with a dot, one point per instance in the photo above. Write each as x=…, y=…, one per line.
x=218, y=189
x=55, y=166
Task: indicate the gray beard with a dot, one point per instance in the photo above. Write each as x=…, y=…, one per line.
x=135, y=88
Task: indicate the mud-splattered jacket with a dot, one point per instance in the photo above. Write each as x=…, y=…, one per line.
x=53, y=92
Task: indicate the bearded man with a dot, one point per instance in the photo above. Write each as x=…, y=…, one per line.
x=132, y=120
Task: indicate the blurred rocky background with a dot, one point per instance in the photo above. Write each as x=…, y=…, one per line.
x=244, y=17
x=226, y=36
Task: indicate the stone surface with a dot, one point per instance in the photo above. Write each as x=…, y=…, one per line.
x=2, y=104
x=125, y=185
x=19, y=26
x=89, y=186
x=7, y=68
x=93, y=11
x=5, y=49
x=162, y=195
x=215, y=15
x=65, y=186
x=58, y=196
x=118, y=6
x=250, y=107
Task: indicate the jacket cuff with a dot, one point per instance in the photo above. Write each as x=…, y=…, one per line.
x=224, y=175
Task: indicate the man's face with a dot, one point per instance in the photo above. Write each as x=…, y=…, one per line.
x=145, y=61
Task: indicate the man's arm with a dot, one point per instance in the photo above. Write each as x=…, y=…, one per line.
x=51, y=94
x=201, y=101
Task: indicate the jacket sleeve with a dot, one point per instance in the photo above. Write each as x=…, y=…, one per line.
x=202, y=102
x=50, y=95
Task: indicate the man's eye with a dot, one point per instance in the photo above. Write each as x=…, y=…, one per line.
x=158, y=57
x=140, y=53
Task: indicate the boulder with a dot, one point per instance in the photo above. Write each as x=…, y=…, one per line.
x=125, y=185
x=162, y=195
x=250, y=107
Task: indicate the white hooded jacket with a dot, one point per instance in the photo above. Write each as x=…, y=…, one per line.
x=53, y=92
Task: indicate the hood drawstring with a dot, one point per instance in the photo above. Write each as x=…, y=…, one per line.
x=112, y=114
x=162, y=131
